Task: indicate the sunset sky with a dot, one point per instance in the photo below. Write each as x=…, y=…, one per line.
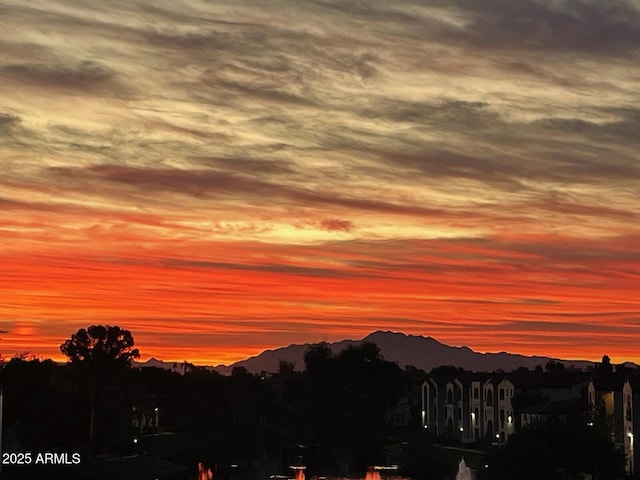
x=221, y=177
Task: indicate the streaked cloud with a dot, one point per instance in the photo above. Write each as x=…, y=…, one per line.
x=300, y=171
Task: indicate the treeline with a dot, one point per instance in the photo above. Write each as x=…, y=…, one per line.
x=333, y=416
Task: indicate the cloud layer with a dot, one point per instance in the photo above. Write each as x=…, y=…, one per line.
x=226, y=177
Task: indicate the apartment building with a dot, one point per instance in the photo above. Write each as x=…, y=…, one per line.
x=473, y=407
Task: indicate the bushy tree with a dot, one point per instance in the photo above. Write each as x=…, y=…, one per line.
x=343, y=403
x=97, y=354
x=555, y=367
x=101, y=349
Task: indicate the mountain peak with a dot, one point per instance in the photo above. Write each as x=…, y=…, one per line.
x=404, y=349
x=415, y=350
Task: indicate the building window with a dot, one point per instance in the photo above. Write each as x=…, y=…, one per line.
x=502, y=394
x=476, y=393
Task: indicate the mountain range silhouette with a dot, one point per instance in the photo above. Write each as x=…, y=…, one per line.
x=415, y=350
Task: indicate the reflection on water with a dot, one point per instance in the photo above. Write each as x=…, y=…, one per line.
x=389, y=472
x=372, y=474
x=464, y=472
x=299, y=469
x=204, y=473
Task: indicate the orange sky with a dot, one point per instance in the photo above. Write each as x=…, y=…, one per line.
x=220, y=178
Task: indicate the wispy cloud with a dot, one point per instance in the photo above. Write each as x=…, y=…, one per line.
x=321, y=168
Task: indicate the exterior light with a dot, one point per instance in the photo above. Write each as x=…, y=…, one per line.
x=630, y=434
x=509, y=419
x=156, y=409
x=461, y=429
x=135, y=440
x=498, y=436
x=589, y=424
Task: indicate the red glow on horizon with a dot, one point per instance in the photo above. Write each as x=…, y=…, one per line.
x=197, y=304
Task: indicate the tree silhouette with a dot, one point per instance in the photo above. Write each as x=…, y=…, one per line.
x=100, y=348
x=605, y=366
x=97, y=353
x=343, y=403
x=555, y=367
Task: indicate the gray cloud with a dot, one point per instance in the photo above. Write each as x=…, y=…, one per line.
x=563, y=26
x=204, y=183
x=86, y=77
x=6, y=119
x=8, y=123
x=255, y=166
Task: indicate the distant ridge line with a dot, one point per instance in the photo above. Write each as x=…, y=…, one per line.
x=416, y=350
